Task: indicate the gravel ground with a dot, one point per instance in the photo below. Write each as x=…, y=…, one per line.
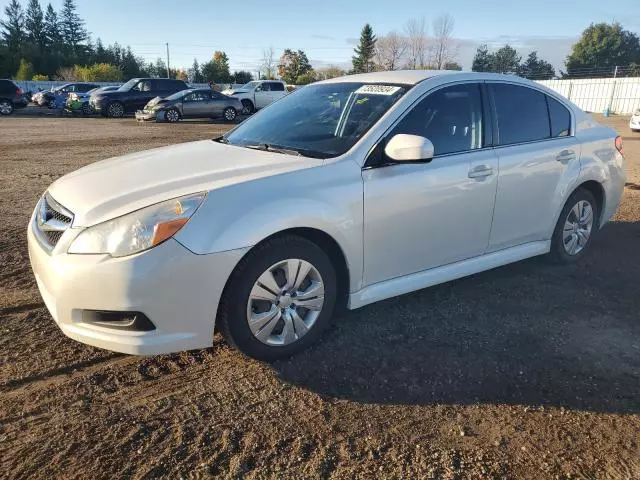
x=526, y=371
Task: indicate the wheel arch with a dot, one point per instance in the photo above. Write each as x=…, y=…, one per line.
x=597, y=190
x=328, y=244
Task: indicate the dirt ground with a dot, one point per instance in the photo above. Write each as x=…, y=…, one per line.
x=527, y=371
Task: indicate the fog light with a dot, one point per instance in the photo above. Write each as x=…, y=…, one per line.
x=130, y=321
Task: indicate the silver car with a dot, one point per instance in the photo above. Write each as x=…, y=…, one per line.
x=192, y=103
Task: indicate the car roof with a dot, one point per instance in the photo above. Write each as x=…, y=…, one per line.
x=413, y=77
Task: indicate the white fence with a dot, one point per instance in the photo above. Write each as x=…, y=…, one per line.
x=619, y=95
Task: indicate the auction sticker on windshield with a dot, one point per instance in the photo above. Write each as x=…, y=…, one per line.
x=378, y=89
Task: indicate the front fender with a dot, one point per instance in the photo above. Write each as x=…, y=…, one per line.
x=326, y=198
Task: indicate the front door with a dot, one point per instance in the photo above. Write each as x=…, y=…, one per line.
x=424, y=215
x=196, y=104
x=263, y=95
x=539, y=161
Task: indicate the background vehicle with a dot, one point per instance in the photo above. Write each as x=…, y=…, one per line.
x=133, y=95
x=58, y=95
x=348, y=191
x=192, y=103
x=258, y=94
x=634, y=122
x=83, y=98
x=11, y=97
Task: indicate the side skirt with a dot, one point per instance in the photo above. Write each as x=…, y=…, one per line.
x=434, y=276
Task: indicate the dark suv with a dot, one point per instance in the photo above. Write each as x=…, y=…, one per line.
x=134, y=95
x=11, y=97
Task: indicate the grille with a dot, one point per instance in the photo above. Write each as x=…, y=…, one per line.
x=52, y=219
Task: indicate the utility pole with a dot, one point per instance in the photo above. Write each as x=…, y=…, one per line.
x=168, y=75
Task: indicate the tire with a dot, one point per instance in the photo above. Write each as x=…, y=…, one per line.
x=172, y=115
x=248, y=107
x=563, y=240
x=229, y=114
x=238, y=304
x=6, y=107
x=115, y=110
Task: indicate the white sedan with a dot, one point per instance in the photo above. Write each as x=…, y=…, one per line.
x=346, y=192
x=634, y=122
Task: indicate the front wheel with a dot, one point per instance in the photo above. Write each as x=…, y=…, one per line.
x=172, y=115
x=6, y=107
x=576, y=226
x=229, y=114
x=279, y=299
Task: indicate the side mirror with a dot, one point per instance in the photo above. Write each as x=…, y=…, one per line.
x=409, y=148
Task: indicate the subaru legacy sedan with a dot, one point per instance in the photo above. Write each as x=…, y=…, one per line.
x=346, y=192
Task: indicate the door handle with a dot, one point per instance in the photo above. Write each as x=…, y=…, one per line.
x=481, y=171
x=566, y=156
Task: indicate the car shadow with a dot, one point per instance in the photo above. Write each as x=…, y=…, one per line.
x=529, y=333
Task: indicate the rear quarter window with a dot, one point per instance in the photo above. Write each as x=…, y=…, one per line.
x=521, y=113
x=560, y=118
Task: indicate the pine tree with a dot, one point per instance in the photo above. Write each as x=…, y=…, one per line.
x=52, y=27
x=482, y=60
x=364, y=52
x=12, y=35
x=34, y=24
x=194, y=73
x=72, y=26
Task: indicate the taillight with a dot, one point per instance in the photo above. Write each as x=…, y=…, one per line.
x=619, y=144
x=19, y=91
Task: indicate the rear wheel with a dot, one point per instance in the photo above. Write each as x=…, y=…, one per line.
x=172, y=115
x=576, y=226
x=279, y=299
x=115, y=110
x=6, y=107
x=247, y=107
x=229, y=114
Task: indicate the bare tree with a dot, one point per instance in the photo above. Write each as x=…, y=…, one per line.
x=331, y=71
x=417, y=42
x=268, y=63
x=444, y=49
x=390, y=50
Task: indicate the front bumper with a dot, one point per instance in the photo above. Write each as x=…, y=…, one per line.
x=144, y=116
x=176, y=289
x=97, y=106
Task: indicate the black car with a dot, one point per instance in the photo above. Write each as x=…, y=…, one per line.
x=134, y=95
x=11, y=97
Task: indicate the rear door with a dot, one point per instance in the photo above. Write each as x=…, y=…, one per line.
x=277, y=91
x=217, y=103
x=539, y=161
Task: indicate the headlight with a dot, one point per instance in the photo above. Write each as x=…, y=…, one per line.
x=139, y=230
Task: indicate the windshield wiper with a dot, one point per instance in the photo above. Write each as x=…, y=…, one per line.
x=272, y=148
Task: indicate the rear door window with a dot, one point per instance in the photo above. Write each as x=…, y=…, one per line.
x=450, y=117
x=277, y=87
x=522, y=114
x=560, y=118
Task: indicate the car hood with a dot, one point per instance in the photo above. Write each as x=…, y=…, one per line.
x=111, y=188
x=235, y=90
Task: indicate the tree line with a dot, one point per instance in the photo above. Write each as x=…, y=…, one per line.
x=45, y=44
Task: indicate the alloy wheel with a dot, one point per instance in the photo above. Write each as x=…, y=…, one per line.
x=116, y=110
x=285, y=302
x=6, y=107
x=577, y=227
x=230, y=114
x=172, y=116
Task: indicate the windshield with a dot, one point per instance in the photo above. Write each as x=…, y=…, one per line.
x=322, y=120
x=127, y=86
x=249, y=85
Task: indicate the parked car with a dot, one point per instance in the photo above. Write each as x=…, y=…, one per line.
x=57, y=96
x=634, y=122
x=191, y=103
x=80, y=100
x=133, y=95
x=347, y=191
x=258, y=94
x=11, y=97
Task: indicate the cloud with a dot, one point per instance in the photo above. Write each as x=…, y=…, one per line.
x=553, y=49
x=352, y=40
x=319, y=64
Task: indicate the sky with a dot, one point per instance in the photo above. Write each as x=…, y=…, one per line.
x=328, y=30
